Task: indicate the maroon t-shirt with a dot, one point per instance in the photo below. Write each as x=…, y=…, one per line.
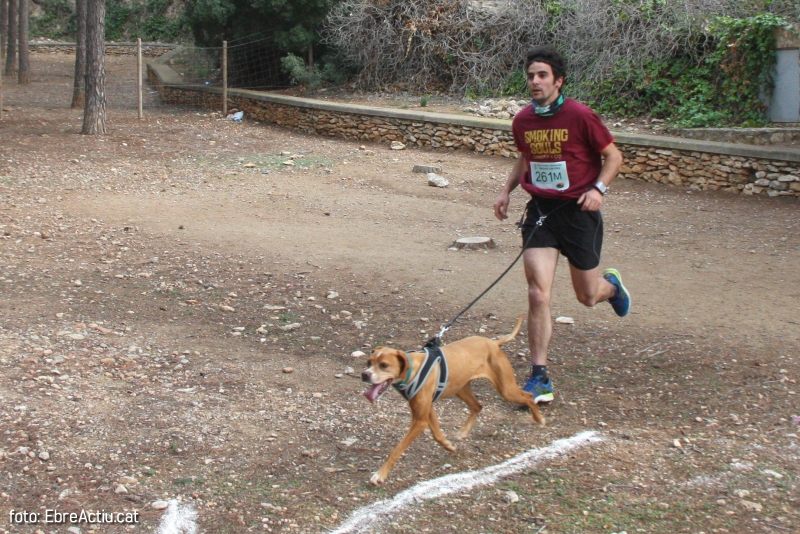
x=574, y=137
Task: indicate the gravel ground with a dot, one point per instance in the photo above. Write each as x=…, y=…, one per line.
x=179, y=307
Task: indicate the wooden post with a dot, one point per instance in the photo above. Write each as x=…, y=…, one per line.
x=224, y=78
x=139, y=73
x=2, y=53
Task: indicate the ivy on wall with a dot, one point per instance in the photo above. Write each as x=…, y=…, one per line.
x=720, y=83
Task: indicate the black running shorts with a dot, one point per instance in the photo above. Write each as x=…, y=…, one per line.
x=577, y=234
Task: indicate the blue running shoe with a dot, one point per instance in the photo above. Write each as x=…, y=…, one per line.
x=621, y=302
x=541, y=388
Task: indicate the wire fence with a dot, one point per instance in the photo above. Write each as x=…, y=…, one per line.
x=253, y=62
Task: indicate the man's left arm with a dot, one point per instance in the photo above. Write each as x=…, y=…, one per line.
x=592, y=199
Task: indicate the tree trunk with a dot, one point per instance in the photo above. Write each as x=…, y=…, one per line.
x=3, y=27
x=79, y=84
x=24, y=77
x=11, y=49
x=94, y=112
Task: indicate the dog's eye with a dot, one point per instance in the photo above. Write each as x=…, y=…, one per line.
x=384, y=365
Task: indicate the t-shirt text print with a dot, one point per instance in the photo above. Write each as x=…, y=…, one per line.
x=546, y=144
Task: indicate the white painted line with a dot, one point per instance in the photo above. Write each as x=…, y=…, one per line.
x=178, y=519
x=366, y=519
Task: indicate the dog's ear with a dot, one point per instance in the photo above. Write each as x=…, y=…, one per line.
x=403, y=361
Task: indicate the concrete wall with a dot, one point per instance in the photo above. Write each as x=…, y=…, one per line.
x=785, y=102
x=702, y=165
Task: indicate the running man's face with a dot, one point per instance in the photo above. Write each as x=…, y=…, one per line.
x=544, y=87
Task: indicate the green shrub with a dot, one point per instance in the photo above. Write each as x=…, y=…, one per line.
x=720, y=83
x=313, y=79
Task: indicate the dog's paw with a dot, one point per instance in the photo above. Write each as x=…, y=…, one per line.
x=449, y=446
x=377, y=479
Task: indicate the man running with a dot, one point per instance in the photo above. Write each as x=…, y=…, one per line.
x=567, y=159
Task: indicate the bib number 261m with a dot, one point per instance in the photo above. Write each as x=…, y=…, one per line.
x=550, y=175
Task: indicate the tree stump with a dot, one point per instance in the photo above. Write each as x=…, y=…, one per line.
x=473, y=243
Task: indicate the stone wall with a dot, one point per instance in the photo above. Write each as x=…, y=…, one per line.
x=149, y=50
x=703, y=170
x=749, y=136
x=701, y=165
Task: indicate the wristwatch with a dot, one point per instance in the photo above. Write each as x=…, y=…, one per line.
x=600, y=186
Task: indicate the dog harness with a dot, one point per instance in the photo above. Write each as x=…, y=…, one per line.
x=432, y=357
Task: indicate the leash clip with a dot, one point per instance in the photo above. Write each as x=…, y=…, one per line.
x=541, y=220
x=436, y=341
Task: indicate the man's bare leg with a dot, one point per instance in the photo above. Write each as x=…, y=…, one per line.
x=590, y=287
x=540, y=271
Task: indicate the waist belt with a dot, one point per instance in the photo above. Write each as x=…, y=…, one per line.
x=432, y=357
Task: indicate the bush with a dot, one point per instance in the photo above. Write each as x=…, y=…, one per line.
x=719, y=84
x=315, y=78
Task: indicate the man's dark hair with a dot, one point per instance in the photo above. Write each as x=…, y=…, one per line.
x=547, y=54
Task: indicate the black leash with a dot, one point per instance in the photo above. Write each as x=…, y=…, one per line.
x=436, y=340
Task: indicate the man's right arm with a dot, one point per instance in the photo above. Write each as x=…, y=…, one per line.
x=501, y=204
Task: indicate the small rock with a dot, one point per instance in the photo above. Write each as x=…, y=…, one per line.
x=510, y=497
x=290, y=327
x=338, y=375
x=397, y=145
x=288, y=370
x=102, y=330
x=565, y=320
x=349, y=441
x=128, y=481
x=742, y=493
x=120, y=489
x=249, y=165
x=357, y=354
x=44, y=455
x=751, y=506
x=425, y=169
x=332, y=295
x=77, y=283
x=677, y=444
x=435, y=180
x=74, y=530
x=159, y=505
x=349, y=371
x=226, y=308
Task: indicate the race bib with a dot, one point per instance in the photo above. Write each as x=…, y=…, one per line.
x=550, y=175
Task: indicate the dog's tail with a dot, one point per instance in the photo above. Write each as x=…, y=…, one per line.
x=513, y=334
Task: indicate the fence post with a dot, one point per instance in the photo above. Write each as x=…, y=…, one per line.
x=224, y=78
x=139, y=73
x=2, y=62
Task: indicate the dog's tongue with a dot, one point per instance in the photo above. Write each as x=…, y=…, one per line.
x=376, y=391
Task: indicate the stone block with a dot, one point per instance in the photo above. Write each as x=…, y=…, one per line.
x=778, y=186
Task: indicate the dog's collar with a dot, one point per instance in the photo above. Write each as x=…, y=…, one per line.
x=408, y=375
x=409, y=389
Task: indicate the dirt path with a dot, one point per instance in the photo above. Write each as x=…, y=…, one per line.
x=150, y=278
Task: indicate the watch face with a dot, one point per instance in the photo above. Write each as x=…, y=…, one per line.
x=601, y=187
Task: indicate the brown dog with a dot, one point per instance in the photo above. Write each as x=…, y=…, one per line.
x=467, y=359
